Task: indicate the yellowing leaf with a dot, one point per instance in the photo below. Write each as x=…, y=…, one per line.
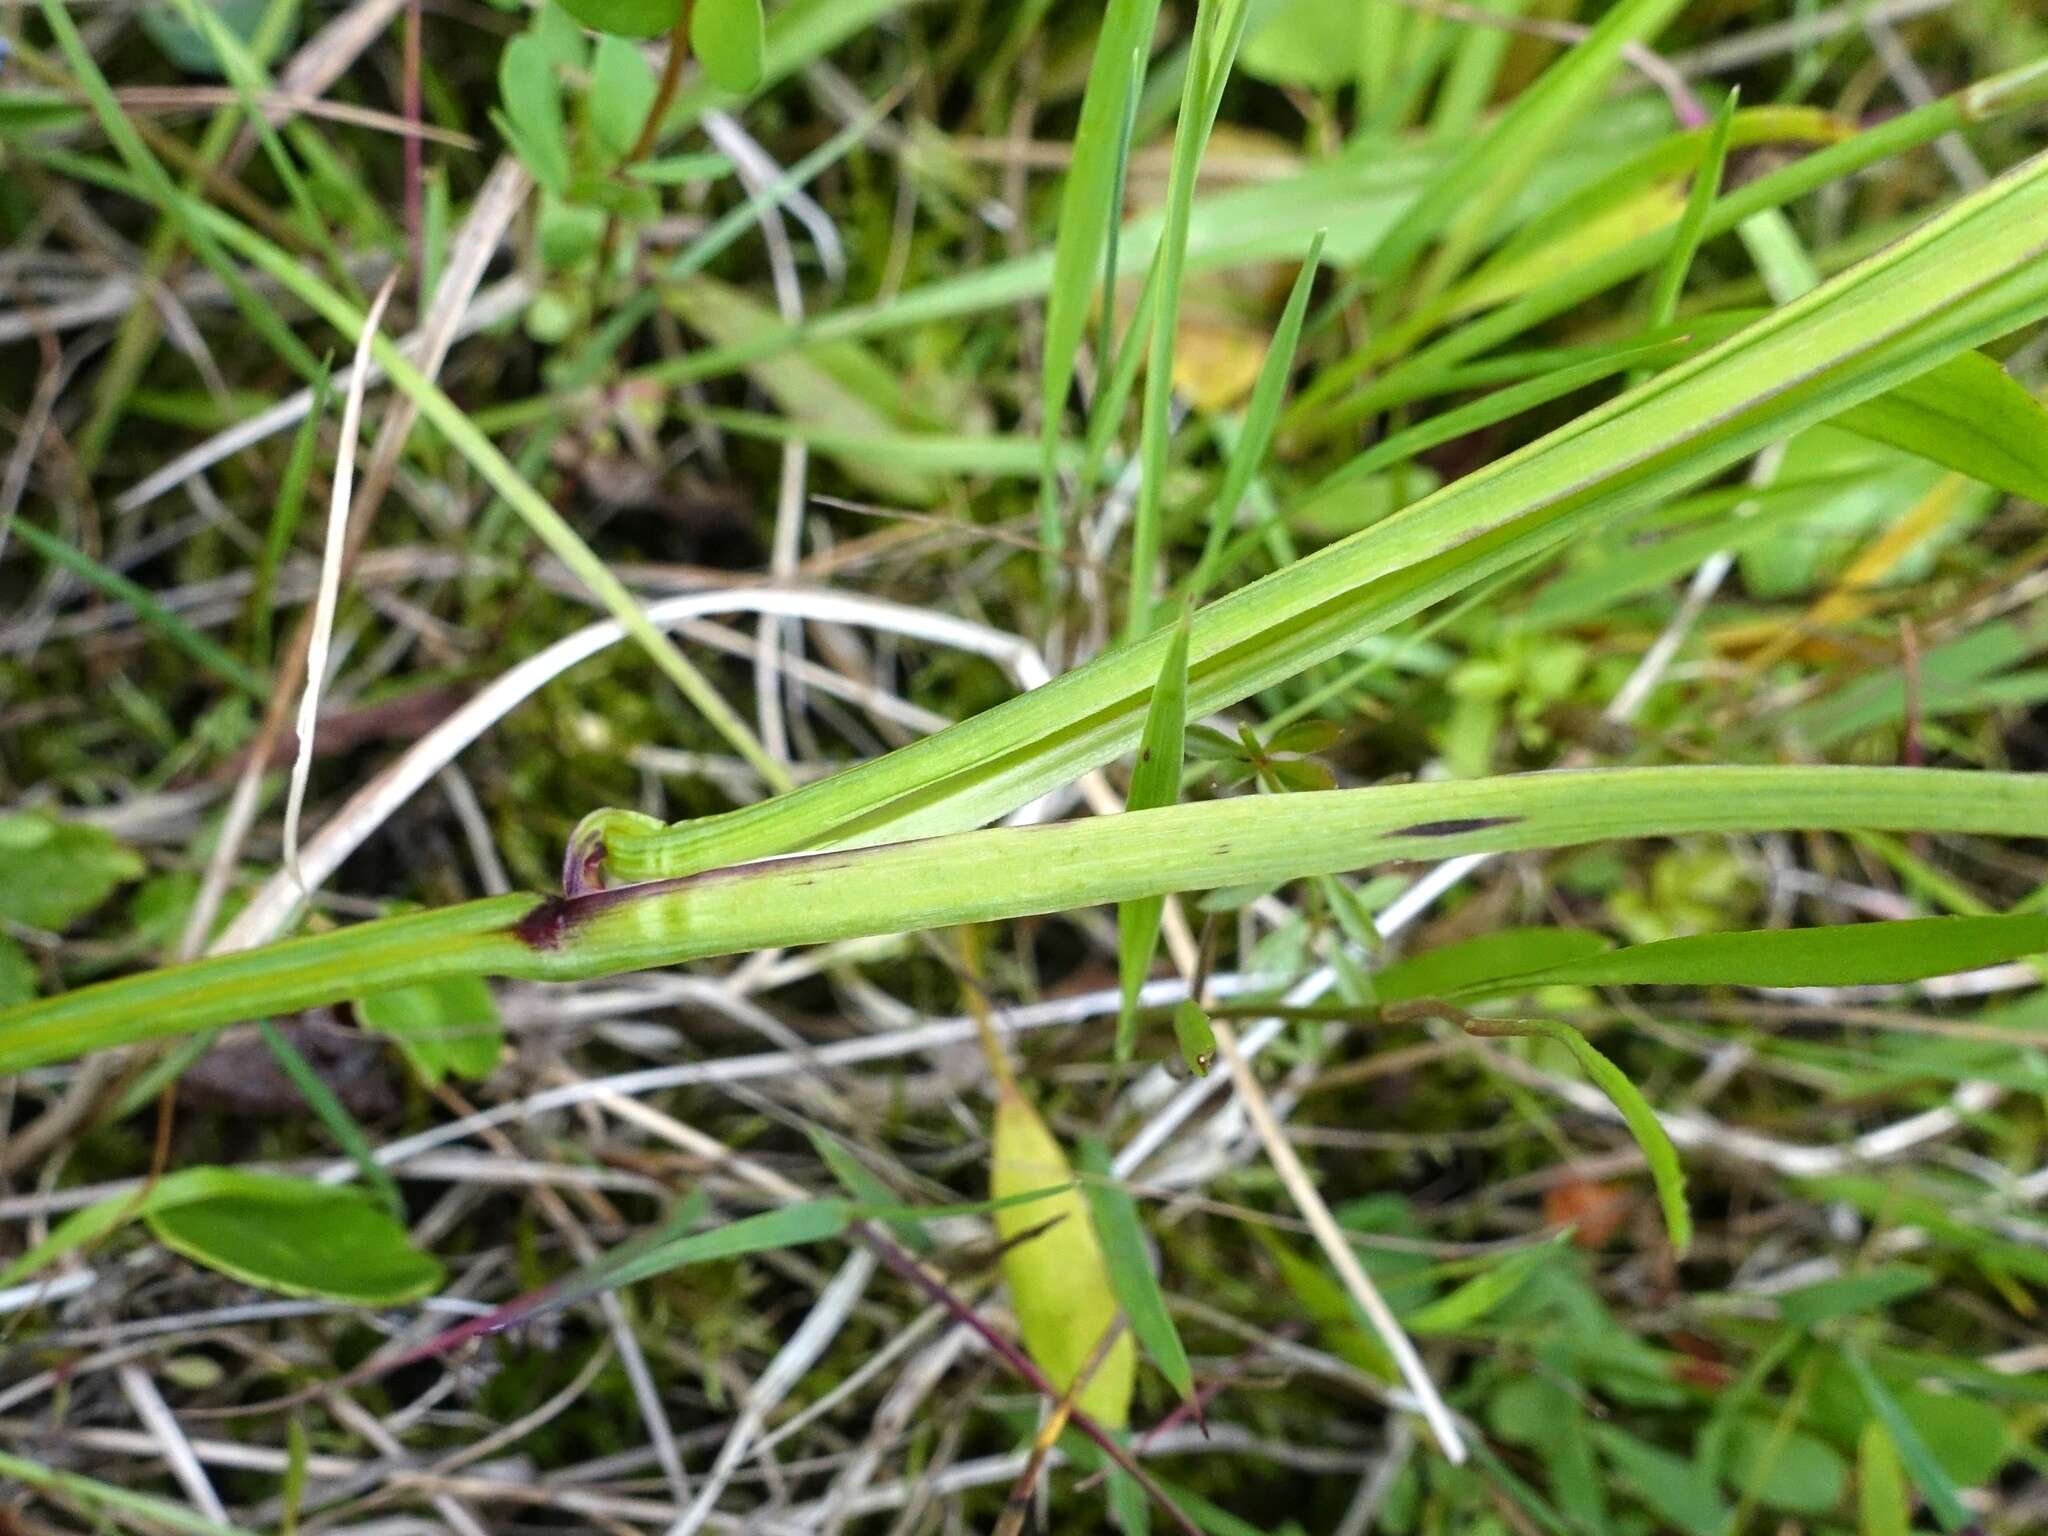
x=1518, y=272
x=1215, y=362
x=1059, y=1281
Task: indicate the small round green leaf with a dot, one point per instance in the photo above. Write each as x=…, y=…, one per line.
x=729, y=38
x=626, y=18
x=298, y=1238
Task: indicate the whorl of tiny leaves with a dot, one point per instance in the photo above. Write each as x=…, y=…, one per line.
x=729, y=38
x=1155, y=781
x=1059, y=1282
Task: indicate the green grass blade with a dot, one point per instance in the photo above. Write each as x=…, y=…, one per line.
x=1088, y=212
x=1666, y=1172
x=1967, y=276
x=1155, y=781
x=1692, y=224
x=1846, y=955
x=207, y=653
x=944, y=881
x=1219, y=27
x=1130, y=1269
x=1943, y=1502
x=1261, y=416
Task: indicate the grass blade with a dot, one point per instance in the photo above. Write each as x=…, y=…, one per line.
x=1088, y=212
x=1666, y=1172
x=1155, y=781
x=1130, y=1270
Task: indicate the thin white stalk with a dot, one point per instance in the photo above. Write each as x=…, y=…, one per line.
x=1337, y=1248
x=330, y=590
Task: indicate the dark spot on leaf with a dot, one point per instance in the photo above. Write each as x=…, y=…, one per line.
x=1454, y=826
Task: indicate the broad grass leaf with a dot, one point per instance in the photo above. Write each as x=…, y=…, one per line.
x=298, y=1238
x=626, y=18
x=1122, y=1233
x=54, y=872
x=1060, y=1288
x=1155, y=781
x=1848, y=954
x=444, y=1026
x=729, y=38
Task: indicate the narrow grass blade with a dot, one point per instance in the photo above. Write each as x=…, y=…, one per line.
x=284, y=516
x=121, y=133
x=333, y=1114
x=1849, y=954
x=1666, y=1172
x=1155, y=781
x=1130, y=1270
x=1261, y=416
x=200, y=648
x=1943, y=1502
x=1692, y=224
x=1219, y=27
x=1088, y=212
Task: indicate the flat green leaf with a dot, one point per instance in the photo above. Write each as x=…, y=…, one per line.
x=626, y=18
x=1130, y=1269
x=444, y=1026
x=532, y=99
x=1920, y=1462
x=1883, y=1507
x=1666, y=1172
x=1676, y=1490
x=729, y=38
x=1969, y=414
x=1786, y=1469
x=1849, y=954
x=621, y=92
x=298, y=1238
x=54, y=872
x=1468, y=968
x=1853, y=1295
x=1155, y=782
x=17, y=973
